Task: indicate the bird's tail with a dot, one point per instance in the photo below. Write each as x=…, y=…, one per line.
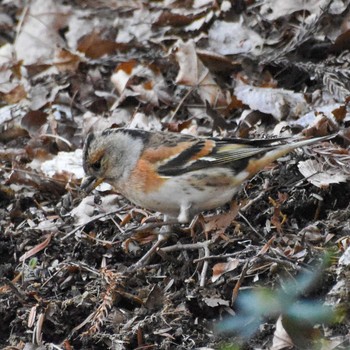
x=275, y=152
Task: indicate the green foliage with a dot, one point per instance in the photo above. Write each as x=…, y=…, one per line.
x=33, y=263
x=298, y=315
x=230, y=347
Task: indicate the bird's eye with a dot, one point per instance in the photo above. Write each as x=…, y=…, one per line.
x=97, y=165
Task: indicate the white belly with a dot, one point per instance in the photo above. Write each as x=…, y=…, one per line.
x=187, y=195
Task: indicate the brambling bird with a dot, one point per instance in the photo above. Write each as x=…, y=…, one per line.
x=175, y=174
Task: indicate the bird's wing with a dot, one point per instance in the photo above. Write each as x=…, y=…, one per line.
x=210, y=153
x=234, y=154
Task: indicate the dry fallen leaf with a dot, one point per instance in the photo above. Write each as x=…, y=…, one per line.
x=219, y=223
x=320, y=175
x=36, y=249
x=39, y=35
x=244, y=40
x=144, y=82
x=193, y=73
x=281, y=339
x=274, y=9
x=280, y=103
x=222, y=268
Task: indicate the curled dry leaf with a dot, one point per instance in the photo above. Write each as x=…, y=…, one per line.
x=36, y=249
x=280, y=103
x=218, y=63
x=39, y=35
x=331, y=111
x=319, y=175
x=195, y=74
x=274, y=9
x=144, y=82
x=281, y=339
x=69, y=163
x=219, y=223
x=321, y=126
x=244, y=39
x=221, y=268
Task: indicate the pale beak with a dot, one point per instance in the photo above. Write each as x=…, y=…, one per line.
x=88, y=183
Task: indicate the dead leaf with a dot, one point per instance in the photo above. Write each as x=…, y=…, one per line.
x=266, y=246
x=167, y=18
x=39, y=35
x=274, y=9
x=281, y=339
x=319, y=175
x=143, y=82
x=69, y=163
x=339, y=113
x=33, y=121
x=95, y=46
x=215, y=302
x=222, y=268
x=66, y=61
x=219, y=223
x=342, y=42
x=302, y=334
x=280, y=103
x=15, y=95
x=218, y=63
x=244, y=40
x=193, y=73
x=155, y=299
x=322, y=125
x=36, y=249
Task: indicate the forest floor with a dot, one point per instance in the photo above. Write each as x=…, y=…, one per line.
x=270, y=270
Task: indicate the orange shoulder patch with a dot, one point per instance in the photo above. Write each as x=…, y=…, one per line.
x=144, y=178
x=154, y=155
x=206, y=149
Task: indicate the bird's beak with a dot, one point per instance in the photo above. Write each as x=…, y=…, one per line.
x=88, y=183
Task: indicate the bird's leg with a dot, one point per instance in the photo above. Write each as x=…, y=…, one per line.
x=184, y=215
x=198, y=219
x=163, y=236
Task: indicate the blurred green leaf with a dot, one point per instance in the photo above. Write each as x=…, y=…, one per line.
x=33, y=263
x=298, y=314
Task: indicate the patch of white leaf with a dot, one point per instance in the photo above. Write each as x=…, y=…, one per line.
x=230, y=38
x=320, y=176
x=64, y=162
x=280, y=103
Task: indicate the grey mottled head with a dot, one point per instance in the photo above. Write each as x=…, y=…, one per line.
x=110, y=156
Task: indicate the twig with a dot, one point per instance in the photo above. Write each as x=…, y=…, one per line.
x=20, y=296
x=252, y=201
x=144, y=260
x=280, y=261
x=190, y=246
x=225, y=256
x=97, y=217
x=181, y=102
x=205, y=265
x=251, y=226
x=57, y=137
x=239, y=282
